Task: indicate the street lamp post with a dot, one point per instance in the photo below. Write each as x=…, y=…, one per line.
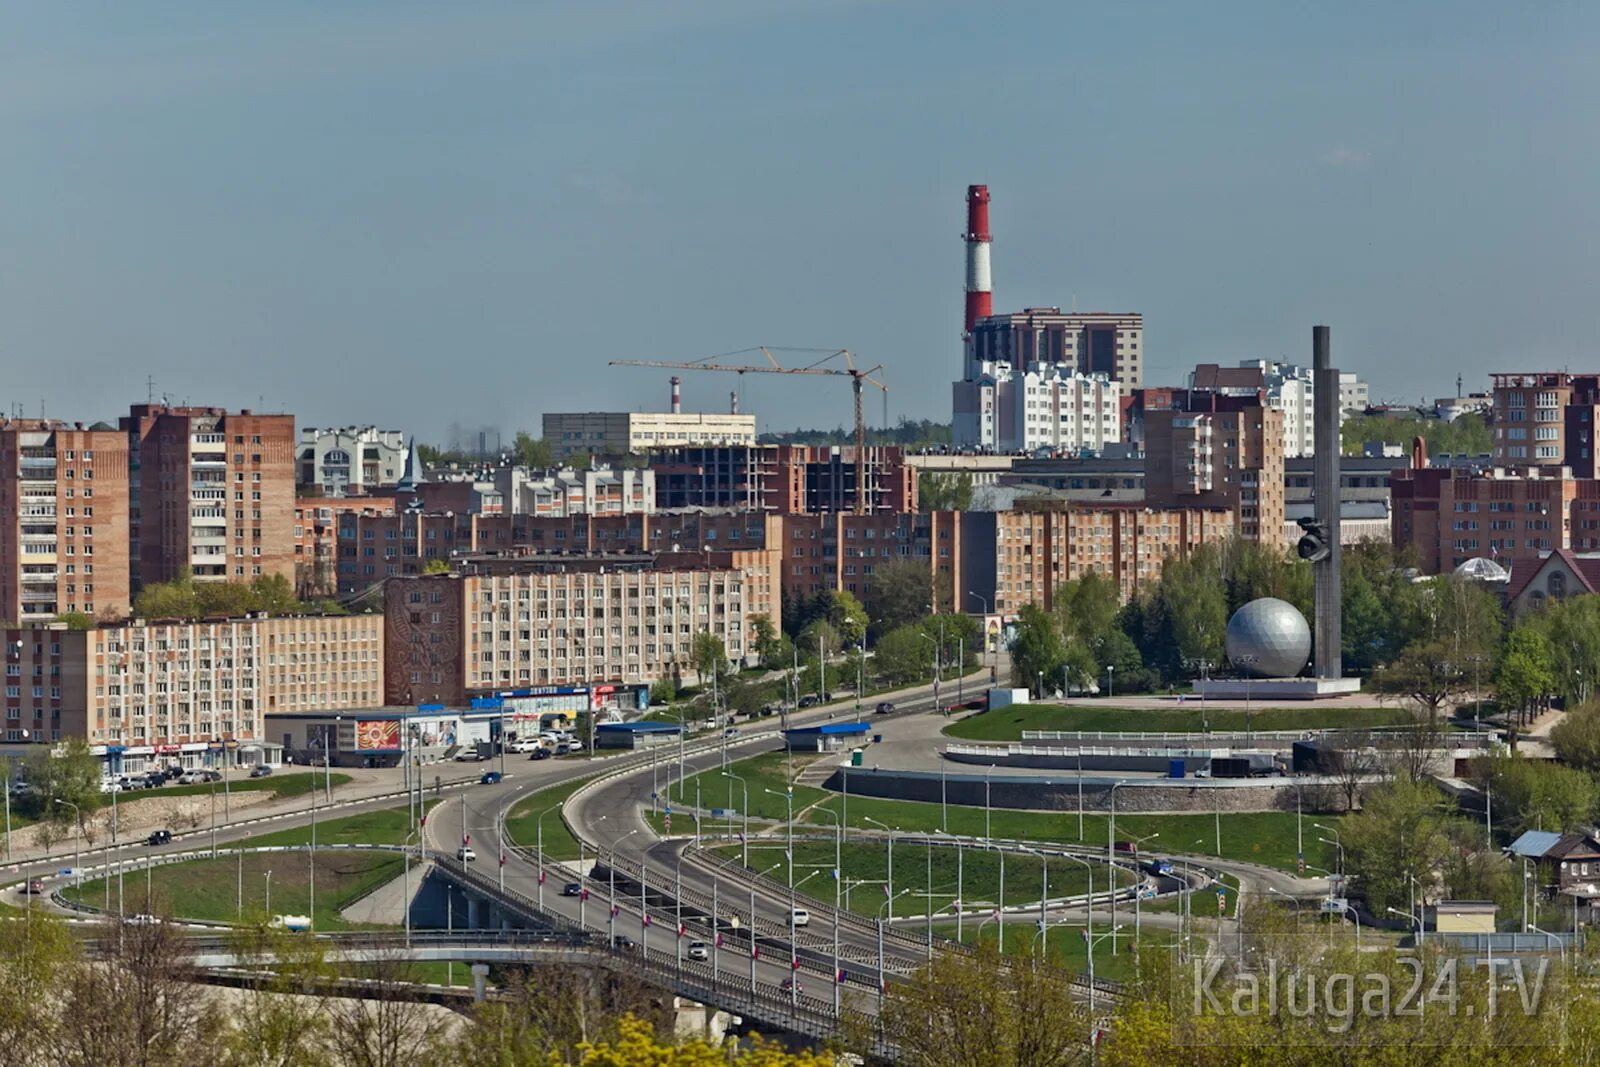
x=1111, y=860
x=1111, y=692
x=888, y=885
x=744, y=837
x=269, y=894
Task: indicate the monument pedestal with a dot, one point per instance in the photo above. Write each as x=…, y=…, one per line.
x=1269, y=690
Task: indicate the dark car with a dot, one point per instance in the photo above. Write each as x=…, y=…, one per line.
x=540, y=753
x=159, y=837
x=769, y=709
x=885, y=707
x=34, y=886
x=808, y=702
x=572, y=889
x=491, y=778
x=261, y=770
x=624, y=943
x=1131, y=847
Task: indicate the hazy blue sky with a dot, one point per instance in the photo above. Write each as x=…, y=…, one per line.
x=424, y=213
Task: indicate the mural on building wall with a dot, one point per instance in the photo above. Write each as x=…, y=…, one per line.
x=377, y=734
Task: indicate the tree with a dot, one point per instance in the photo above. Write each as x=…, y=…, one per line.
x=1525, y=677
x=273, y=1023
x=1576, y=738
x=765, y=639
x=979, y=1011
x=902, y=656
x=69, y=774
x=76, y=620
x=820, y=634
x=1426, y=674
x=900, y=593
x=944, y=492
x=34, y=956
x=1537, y=796
x=1037, y=649
x=1399, y=835
x=1355, y=762
x=386, y=1028
x=1086, y=609
x=709, y=655
x=848, y=616
x=532, y=452
x=436, y=566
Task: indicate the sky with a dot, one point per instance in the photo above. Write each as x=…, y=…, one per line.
x=439, y=216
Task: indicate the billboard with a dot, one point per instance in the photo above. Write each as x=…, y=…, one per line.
x=374, y=734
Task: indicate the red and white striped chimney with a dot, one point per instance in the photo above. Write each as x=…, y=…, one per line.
x=980, y=301
x=677, y=396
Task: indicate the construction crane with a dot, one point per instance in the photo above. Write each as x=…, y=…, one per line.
x=858, y=379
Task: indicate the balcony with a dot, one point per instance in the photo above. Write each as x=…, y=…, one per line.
x=38, y=596
x=36, y=577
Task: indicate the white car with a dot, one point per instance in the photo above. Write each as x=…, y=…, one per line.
x=465, y=854
x=699, y=950
x=801, y=917
x=110, y=785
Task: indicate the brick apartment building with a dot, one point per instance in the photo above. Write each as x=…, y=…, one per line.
x=843, y=551
x=210, y=492
x=1217, y=451
x=1450, y=515
x=1013, y=558
x=63, y=520
x=1546, y=419
x=786, y=479
x=179, y=688
x=517, y=623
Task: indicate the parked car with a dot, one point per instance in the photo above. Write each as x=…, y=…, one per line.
x=490, y=778
x=885, y=707
x=540, y=753
x=465, y=854
x=562, y=748
x=808, y=702
x=211, y=776
x=261, y=770
x=572, y=889
x=159, y=837
x=769, y=709
x=110, y=785
x=699, y=950
x=190, y=778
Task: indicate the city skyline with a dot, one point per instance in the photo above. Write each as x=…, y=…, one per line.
x=367, y=216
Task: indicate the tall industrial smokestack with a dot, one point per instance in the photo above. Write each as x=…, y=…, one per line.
x=677, y=396
x=980, y=302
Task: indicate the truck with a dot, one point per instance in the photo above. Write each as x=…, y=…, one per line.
x=295, y=924
x=1003, y=698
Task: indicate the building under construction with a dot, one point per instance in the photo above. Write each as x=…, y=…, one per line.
x=784, y=479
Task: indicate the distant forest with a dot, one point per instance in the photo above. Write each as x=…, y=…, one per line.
x=910, y=433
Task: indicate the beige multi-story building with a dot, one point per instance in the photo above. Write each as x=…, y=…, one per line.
x=511, y=623
x=616, y=433
x=1091, y=342
x=185, y=688
x=1022, y=557
x=212, y=493
x=63, y=520
x=350, y=461
x=1547, y=419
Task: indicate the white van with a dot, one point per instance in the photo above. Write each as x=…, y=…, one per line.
x=800, y=917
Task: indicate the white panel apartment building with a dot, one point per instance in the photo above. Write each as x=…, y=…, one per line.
x=1051, y=407
x=1290, y=389
x=565, y=491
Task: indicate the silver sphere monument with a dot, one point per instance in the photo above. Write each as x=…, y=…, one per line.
x=1268, y=638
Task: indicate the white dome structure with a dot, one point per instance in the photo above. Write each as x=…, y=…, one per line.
x=1482, y=569
x=1268, y=638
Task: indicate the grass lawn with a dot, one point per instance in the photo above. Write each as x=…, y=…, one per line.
x=868, y=864
x=522, y=824
x=1259, y=837
x=279, y=785
x=208, y=890
x=388, y=826
x=771, y=770
x=1007, y=724
x=1067, y=946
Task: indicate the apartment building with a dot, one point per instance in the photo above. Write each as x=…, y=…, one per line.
x=374, y=545
x=350, y=461
x=316, y=540
x=1510, y=515
x=788, y=479
x=211, y=493
x=1091, y=342
x=63, y=520
x=1289, y=388
x=1219, y=452
x=616, y=433
x=1546, y=419
x=182, y=687
x=1050, y=407
x=844, y=551
x=600, y=490
x=519, y=623
x=1014, y=558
